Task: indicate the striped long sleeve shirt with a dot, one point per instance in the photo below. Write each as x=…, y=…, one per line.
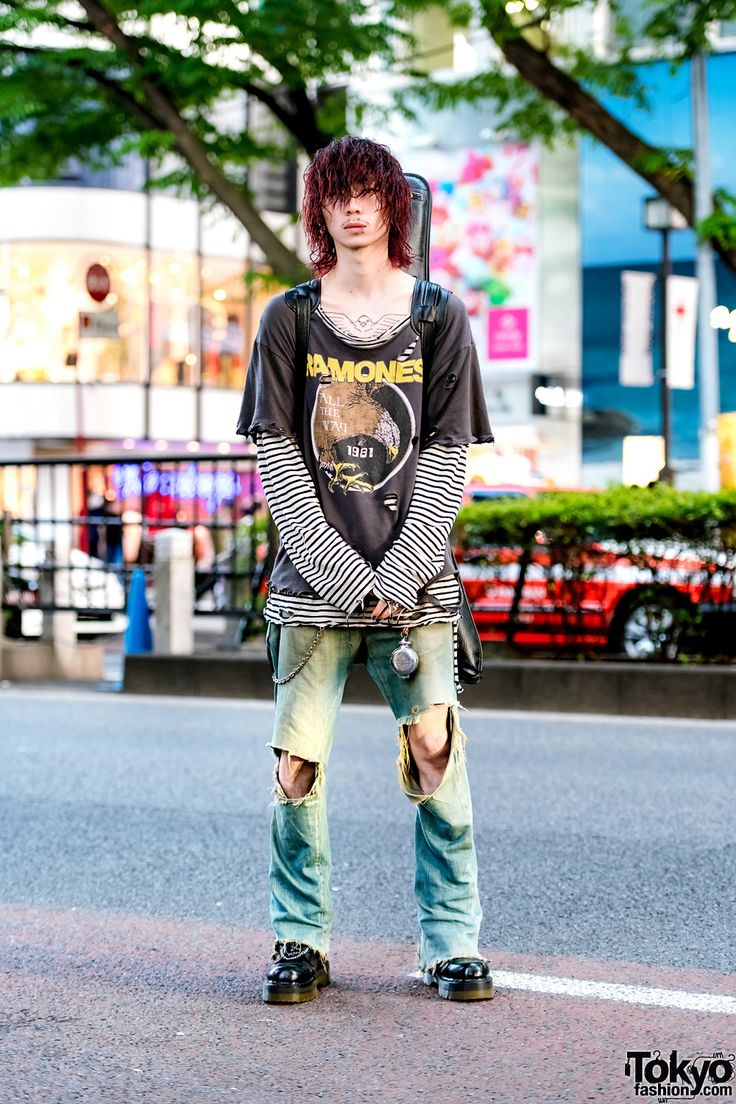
x=346, y=586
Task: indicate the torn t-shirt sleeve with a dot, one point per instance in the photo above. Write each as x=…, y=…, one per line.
x=455, y=411
x=268, y=396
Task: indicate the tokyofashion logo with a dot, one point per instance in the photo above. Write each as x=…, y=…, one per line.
x=677, y=1078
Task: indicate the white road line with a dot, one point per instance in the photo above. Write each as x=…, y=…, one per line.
x=605, y=990
x=613, y=991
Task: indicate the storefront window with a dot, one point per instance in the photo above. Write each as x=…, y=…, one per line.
x=81, y=313
x=174, y=321
x=49, y=329
x=224, y=322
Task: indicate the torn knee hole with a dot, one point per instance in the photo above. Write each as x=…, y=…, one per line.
x=418, y=715
x=430, y=732
x=296, y=779
x=411, y=738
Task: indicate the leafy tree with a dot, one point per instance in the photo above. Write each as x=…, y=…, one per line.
x=543, y=87
x=95, y=79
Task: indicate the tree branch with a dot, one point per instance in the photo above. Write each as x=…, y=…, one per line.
x=300, y=122
x=54, y=17
x=283, y=262
x=590, y=114
x=314, y=137
x=149, y=121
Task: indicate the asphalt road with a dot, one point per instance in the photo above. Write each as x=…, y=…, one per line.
x=133, y=850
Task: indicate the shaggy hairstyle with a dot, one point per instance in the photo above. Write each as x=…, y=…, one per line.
x=351, y=166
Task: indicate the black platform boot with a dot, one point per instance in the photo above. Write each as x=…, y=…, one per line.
x=296, y=974
x=461, y=979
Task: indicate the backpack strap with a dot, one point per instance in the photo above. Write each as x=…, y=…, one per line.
x=428, y=315
x=303, y=300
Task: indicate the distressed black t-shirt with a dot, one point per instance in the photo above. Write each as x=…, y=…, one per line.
x=360, y=426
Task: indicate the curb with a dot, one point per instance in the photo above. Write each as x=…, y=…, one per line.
x=626, y=689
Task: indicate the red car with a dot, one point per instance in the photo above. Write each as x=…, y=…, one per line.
x=642, y=609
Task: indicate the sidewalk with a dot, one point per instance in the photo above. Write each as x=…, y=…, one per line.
x=219, y=668
x=616, y=689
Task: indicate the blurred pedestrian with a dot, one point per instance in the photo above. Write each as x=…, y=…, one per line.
x=363, y=465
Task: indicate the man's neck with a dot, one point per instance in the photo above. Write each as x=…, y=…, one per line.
x=361, y=273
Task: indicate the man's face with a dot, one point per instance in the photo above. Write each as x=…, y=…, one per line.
x=356, y=222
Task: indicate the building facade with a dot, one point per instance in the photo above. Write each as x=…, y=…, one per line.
x=614, y=240
x=126, y=317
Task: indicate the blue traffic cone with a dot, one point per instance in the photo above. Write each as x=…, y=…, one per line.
x=138, y=635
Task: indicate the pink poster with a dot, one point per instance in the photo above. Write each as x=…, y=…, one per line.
x=508, y=333
x=484, y=241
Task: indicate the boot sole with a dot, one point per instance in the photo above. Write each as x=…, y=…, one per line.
x=288, y=995
x=275, y=993
x=461, y=990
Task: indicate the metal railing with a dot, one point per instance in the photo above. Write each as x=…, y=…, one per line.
x=75, y=528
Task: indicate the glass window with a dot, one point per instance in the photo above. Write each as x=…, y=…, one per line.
x=49, y=324
x=61, y=323
x=225, y=316
x=174, y=321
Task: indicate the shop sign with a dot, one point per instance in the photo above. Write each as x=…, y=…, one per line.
x=211, y=487
x=98, y=282
x=100, y=324
x=727, y=449
x=508, y=333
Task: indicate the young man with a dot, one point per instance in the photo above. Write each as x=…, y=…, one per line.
x=363, y=466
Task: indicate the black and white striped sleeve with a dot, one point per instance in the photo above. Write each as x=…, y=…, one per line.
x=336, y=571
x=418, y=553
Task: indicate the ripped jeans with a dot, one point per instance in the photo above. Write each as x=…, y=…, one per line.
x=446, y=872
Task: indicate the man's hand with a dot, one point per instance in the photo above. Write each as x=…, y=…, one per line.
x=385, y=611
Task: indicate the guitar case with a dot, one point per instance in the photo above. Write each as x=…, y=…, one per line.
x=421, y=219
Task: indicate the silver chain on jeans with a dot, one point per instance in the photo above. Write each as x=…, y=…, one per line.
x=301, y=663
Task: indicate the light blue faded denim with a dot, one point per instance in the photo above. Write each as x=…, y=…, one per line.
x=446, y=872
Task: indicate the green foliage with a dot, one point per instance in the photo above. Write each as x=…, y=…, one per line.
x=626, y=515
x=673, y=162
x=69, y=90
x=682, y=24
x=66, y=91
x=668, y=32
x=673, y=31
x=721, y=224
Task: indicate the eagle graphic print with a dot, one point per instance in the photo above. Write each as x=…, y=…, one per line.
x=363, y=426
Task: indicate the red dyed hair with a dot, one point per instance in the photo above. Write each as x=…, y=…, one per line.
x=351, y=166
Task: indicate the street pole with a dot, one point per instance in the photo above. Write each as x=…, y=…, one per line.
x=148, y=362
x=200, y=327
x=710, y=403
x=666, y=474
